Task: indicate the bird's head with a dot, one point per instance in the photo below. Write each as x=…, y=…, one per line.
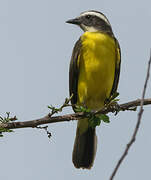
x=92, y=21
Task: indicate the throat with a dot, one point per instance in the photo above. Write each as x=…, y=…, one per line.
x=89, y=28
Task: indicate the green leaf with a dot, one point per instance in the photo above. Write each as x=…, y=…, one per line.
x=112, y=98
x=82, y=109
x=2, y=130
x=94, y=121
x=116, y=94
x=104, y=118
x=9, y=130
x=115, y=100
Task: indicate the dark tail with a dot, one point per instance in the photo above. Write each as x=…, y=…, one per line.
x=84, y=148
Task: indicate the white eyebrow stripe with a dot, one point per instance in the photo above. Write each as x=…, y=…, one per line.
x=95, y=14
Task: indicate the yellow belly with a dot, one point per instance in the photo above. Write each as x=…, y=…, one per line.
x=96, y=69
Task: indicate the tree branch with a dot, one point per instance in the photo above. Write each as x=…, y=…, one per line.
x=48, y=119
x=133, y=138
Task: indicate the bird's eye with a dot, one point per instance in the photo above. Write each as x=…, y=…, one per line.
x=88, y=16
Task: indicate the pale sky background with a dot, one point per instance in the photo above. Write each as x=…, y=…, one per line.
x=35, y=50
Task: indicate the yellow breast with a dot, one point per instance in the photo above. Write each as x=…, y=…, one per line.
x=96, y=69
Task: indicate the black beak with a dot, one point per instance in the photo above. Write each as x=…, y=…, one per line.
x=76, y=21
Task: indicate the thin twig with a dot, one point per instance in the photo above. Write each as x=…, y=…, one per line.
x=46, y=129
x=56, y=110
x=133, y=138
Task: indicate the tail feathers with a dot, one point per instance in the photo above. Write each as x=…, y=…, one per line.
x=84, y=148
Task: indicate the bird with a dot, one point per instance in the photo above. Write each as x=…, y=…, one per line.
x=93, y=78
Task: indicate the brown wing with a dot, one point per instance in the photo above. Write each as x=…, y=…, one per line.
x=74, y=72
x=117, y=68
